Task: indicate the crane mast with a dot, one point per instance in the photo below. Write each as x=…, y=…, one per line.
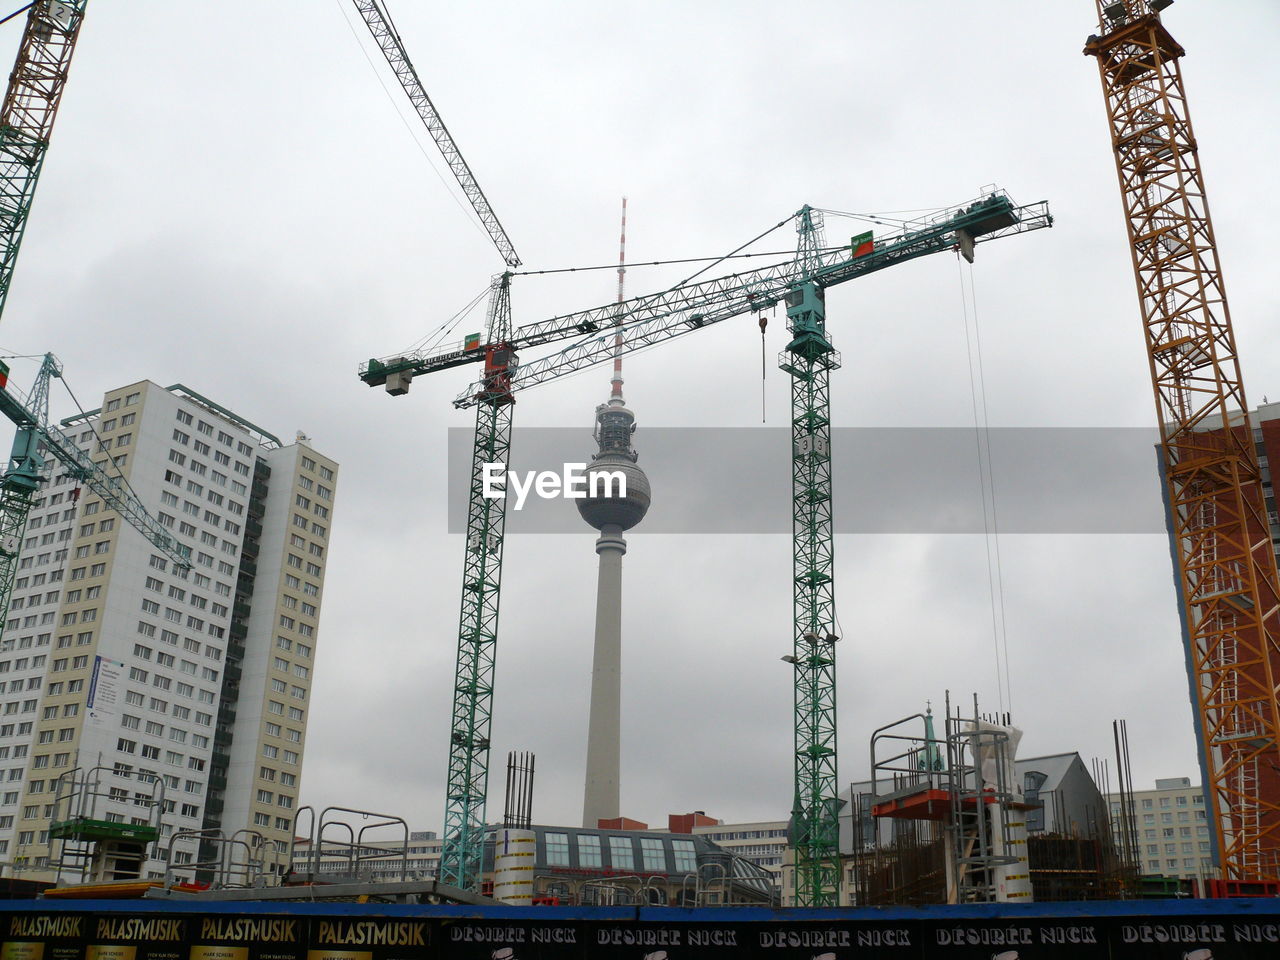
x=472, y=712
x=809, y=358
x=1221, y=537
x=26, y=118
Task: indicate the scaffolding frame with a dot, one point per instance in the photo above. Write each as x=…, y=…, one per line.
x=79, y=825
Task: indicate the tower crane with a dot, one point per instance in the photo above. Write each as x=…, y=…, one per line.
x=1221, y=536
x=26, y=119
x=601, y=333
x=37, y=439
x=482, y=566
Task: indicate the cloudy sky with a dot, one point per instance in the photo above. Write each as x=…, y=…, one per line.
x=233, y=201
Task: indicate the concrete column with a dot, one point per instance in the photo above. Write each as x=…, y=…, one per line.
x=600, y=798
x=513, y=865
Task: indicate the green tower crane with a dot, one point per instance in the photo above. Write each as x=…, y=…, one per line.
x=643, y=322
x=463, y=841
x=39, y=443
x=26, y=119
x=809, y=358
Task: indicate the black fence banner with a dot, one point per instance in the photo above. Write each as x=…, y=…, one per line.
x=1239, y=930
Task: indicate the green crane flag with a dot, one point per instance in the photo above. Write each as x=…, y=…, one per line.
x=862, y=244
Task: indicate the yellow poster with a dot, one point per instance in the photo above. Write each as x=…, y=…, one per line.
x=219, y=953
x=109, y=951
x=339, y=955
x=21, y=950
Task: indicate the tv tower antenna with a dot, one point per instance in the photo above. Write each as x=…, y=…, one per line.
x=615, y=394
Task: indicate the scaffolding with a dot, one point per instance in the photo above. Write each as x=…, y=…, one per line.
x=243, y=860
x=946, y=821
x=956, y=787
x=90, y=844
x=338, y=852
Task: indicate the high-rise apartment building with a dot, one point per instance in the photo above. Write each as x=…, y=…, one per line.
x=137, y=693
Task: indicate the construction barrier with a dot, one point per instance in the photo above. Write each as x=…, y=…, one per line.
x=1236, y=929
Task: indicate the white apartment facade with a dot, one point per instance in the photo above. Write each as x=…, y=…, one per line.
x=1169, y=827
x=201, y=677
x=763, y=842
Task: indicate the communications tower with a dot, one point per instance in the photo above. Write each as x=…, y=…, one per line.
x=611, y=511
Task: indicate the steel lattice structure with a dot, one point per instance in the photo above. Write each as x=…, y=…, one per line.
x=26, y=119
x=37, y=439
x=658, y=317
x=464, y=820
x=384, y=34
x=809, y=359
x=1222, y=546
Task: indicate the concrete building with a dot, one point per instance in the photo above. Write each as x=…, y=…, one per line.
x=142, y=695
x=763, y=843
x=1169, y=828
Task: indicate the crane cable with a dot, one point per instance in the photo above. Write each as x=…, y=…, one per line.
x=98, y=445
x=663, y=263
x=466, y=209
x=434, y=337
x=986, y=480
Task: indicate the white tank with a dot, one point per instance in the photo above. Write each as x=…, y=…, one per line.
x=513, y=862
x=996, y=765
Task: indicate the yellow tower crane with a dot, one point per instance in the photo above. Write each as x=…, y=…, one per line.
x=1221, y=537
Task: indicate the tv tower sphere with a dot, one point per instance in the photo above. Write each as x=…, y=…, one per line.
x=614, y=425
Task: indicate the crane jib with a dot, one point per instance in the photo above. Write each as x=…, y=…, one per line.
x=651, y=319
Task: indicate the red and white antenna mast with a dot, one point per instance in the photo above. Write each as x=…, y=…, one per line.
x=615, y=395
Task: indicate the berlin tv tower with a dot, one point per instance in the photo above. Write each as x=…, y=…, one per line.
x=611, y=516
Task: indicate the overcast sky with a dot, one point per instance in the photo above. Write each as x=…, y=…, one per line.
x=232, y=201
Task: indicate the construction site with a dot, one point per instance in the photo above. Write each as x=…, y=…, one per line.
x=936, y=595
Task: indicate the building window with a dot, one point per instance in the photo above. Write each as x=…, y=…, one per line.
x=589, y=851
x=621, y=854
x=686, y=858
x=652, y=855
x=557, y=849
